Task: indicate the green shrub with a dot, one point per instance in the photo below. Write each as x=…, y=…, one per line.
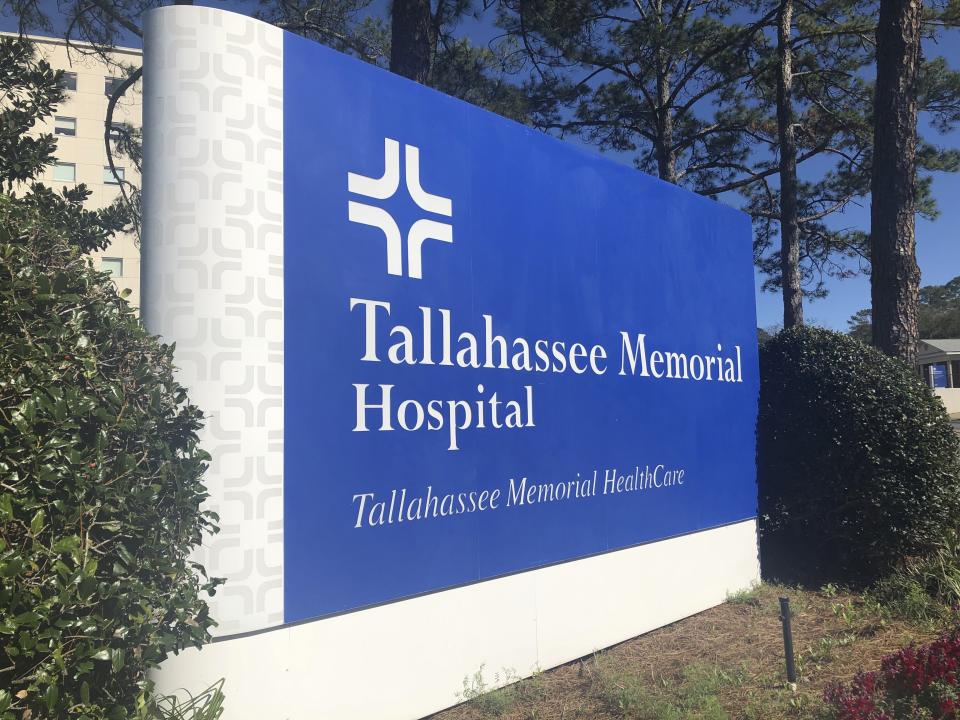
x=100, y=471
x=207, y=705
x=857, y=462
x=925, y=589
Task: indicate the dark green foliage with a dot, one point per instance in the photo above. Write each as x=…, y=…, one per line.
x=30, y=91
x=349, y=26
x=477, y=74
x=661, y=81
x=100, y=472
x=859, y=326
x=940, y=310
x=103, y=23
x=939, y=314
x=857, y=463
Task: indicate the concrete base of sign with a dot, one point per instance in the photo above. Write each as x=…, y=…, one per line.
x=408, y=659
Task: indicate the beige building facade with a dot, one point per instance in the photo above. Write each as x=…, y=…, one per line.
x=78, y=126
x=939, y=364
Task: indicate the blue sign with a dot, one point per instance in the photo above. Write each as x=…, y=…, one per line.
x=501, y=351
x=939, y=375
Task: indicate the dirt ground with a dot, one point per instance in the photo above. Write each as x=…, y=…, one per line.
x=725, y=663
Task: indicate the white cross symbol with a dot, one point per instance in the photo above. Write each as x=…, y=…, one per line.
x=385, y=187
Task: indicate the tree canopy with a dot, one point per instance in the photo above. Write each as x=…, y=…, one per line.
x=939, y=314
x=772, y=99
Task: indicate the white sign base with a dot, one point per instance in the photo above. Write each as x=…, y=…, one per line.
x=407, y=659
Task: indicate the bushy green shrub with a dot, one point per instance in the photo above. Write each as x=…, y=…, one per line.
x=100, y=471
x=857, y=462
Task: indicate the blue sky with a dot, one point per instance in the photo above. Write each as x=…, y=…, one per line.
x=938, y=242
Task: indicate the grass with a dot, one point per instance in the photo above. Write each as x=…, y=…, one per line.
x=208, y=705
x=747, y=596
x=723, y=664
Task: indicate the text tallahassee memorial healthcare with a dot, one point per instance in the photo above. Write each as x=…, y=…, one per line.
x=398, y=507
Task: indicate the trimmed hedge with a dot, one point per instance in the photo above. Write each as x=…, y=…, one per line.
x=857, y=462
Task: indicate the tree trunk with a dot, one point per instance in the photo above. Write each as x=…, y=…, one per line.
x=895, y=276
x=789, y=230
x=412, y=39
x=663, y=147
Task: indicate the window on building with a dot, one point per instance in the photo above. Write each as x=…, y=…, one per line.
x=956, y=372
x=65, y=126
x=68, y=81
x=65, y=172
x=109, y=178
x=110, y=84
x=114, y=266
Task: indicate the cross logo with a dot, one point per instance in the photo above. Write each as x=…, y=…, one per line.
x=385, y=187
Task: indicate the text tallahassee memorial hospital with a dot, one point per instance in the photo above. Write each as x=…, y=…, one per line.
x=379, y=409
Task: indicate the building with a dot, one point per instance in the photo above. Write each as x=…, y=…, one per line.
x=939, y=363
x=78, y=126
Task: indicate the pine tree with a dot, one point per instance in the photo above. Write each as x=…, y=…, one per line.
x=658, y=79
x=895, y=276
x=815, y=104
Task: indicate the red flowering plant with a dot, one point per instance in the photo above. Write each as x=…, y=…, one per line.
x=915, y=683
